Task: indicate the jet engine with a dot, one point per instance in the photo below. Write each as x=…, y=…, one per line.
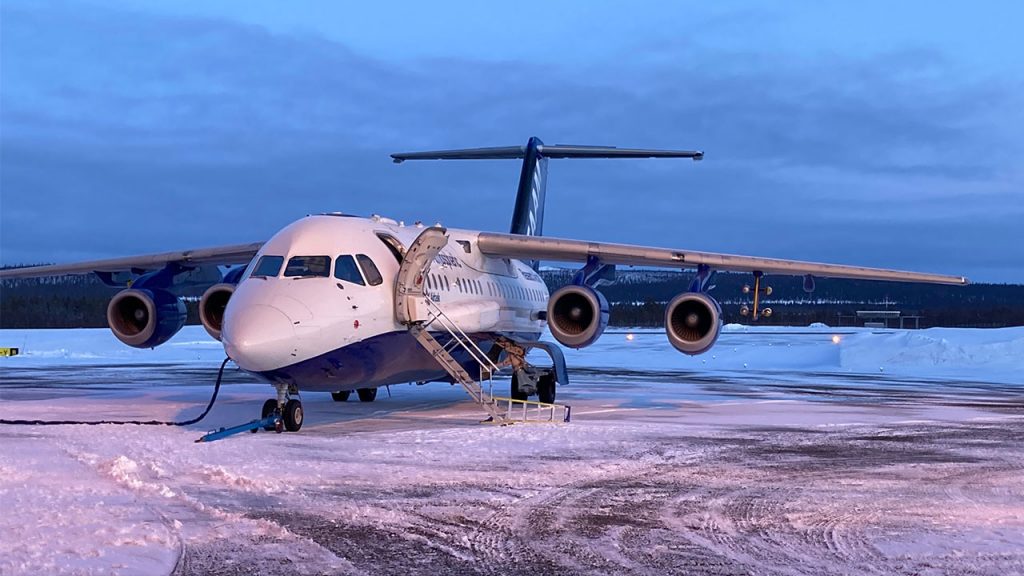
x=143, y=318
x=212, y=306
x=577, y=315
x=693, y=321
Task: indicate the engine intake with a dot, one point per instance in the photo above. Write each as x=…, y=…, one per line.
x=577, y=315
x=693, y=321
x=145, y=318
x=212, y=306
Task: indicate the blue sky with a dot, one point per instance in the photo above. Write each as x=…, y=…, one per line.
x=865, y=133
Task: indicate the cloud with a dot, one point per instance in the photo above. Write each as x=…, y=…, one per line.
x=128, y=132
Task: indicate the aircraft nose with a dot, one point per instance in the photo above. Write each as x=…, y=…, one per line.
x=259, y=338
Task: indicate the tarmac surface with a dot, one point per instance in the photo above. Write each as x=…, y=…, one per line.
x=660, y=472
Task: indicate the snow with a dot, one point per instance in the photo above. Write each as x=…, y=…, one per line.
x=991, y=355
x=99, y=346
x=778, y=451
x=994, y=355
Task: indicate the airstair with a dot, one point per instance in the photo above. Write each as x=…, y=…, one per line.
x=415, y=308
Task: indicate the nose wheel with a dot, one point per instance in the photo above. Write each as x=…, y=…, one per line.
x=288, y=411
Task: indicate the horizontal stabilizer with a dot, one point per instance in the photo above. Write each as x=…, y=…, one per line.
x=546, y=151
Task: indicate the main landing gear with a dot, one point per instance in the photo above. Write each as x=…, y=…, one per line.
x=540, y=381
x=287, y=409
x=528, y=379
x=365, y=395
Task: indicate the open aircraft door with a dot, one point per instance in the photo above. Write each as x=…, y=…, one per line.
x=409, y=284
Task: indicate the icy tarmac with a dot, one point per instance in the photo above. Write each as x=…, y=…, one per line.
x=780, y=452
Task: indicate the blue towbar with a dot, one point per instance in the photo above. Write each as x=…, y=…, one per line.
x=272, y=422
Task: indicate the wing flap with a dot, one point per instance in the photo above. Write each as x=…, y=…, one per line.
x=564, y=250
x=235, y=254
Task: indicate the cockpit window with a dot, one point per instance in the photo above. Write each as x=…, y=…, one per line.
x=345, y=269
x=304, y=266
x=268, y=266
x=373, y=277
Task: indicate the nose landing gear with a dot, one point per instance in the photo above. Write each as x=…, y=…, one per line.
x=288, y=410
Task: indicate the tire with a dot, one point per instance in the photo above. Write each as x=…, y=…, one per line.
x=367, y=394
x=515, y=393
x=293, y=415
x=269, y=407
x=546, y=389
x=341, y=396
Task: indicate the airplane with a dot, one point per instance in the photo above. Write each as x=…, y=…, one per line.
x=336, y=302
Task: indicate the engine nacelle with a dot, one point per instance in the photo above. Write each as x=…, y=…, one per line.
x=212, y=306
x=693, y=321
x=577, y=315
x=144, y=318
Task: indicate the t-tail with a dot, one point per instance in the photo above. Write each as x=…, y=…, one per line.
x=528, y=214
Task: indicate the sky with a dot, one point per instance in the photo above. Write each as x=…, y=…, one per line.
x=869, y=133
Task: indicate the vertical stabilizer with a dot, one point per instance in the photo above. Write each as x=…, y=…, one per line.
x=528, y=214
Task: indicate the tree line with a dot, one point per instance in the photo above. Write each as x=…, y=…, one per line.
x=637, y=297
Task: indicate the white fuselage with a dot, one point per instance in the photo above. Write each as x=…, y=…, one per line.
x=336, y=329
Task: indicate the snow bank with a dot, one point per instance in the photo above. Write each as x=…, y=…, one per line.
x=995, y=355
x=99, y=346
x=970, y=353
x=989, y=355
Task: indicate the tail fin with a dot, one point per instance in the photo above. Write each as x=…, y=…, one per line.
x=528, y=215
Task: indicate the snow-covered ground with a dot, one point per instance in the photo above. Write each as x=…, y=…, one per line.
x=780, y=451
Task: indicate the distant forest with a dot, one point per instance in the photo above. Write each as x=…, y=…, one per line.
x=638, y=298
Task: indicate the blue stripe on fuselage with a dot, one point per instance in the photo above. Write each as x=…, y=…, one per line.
x=391, y=358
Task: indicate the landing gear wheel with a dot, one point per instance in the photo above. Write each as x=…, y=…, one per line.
x=292, y=415
x=515, y=393
x=269, y=407
x=341, y=396
x=546, y=388
x=367, y=394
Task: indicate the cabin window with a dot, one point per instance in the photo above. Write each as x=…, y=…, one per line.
x=268, y=266
x=308, y=266
x=373, y=277
x=345, y=269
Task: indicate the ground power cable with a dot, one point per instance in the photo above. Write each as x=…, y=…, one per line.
x=213, y=398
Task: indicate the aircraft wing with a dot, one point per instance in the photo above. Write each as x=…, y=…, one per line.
x=236, y=254
x=559, y=249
